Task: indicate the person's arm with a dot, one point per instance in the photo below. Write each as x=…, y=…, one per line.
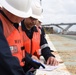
x=43, y=32
x=46, y=52
x=8, y=63
x=45, y=49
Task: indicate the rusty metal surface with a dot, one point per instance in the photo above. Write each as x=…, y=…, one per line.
x=65, y=52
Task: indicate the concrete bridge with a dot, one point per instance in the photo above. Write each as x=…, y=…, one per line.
x=64, y=30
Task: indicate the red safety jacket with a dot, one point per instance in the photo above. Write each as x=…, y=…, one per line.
x=14, y=39
x=32, y=46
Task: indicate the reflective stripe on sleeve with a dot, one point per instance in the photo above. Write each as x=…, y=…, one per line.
x=44, y=46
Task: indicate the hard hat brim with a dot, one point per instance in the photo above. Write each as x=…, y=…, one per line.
x=37, y=17
x=40, y=19
x=15, y=11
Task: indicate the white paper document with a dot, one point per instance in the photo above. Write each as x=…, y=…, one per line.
x=48, y=68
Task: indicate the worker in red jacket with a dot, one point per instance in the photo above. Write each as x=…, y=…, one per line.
x=12, y=13
x=35, y=42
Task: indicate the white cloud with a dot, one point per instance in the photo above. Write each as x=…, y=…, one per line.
x=59, y=11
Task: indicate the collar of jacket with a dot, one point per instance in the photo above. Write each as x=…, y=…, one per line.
x=5, y=16
x=15, y=24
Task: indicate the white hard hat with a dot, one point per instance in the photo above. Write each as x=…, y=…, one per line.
x=20, y=8
x=36, y=10
x=0, y=6
x=40, y=19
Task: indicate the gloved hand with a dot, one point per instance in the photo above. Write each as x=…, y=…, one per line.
x=29, y=73
x=36, y=64
x=33, y=63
